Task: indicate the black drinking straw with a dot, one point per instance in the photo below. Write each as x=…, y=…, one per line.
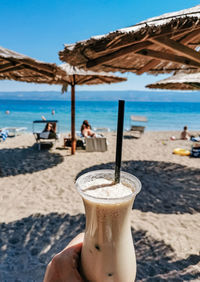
x=120, y=125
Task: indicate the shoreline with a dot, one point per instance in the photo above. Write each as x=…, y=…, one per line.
x=161, y=117
x=126, y=131
x=108, y=130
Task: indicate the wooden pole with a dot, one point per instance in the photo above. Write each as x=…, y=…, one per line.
x=73, y=137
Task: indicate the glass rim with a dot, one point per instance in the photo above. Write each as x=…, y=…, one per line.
x=137, y=186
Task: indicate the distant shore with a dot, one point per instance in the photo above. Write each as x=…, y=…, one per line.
x=103, y=95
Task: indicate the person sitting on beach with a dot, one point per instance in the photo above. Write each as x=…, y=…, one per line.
x=64, y=266
x=86, y=130
x=185, y=135
x=50, y=128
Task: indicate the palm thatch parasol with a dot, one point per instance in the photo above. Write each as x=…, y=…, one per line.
x=75, y=76
x=15, y=66
x=87, y=77
x=180, y=81
x=158, y=45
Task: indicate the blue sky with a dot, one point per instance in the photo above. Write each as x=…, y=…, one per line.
x=40, y=28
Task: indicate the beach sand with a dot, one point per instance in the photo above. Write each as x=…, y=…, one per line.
x=40, y=210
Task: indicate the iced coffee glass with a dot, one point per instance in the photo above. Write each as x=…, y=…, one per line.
x=108, y=252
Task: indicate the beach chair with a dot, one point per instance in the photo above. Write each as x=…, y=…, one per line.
x=14, y=131
x=138, y=129
x=90, y=144
x=43, y=138
x=96, y=144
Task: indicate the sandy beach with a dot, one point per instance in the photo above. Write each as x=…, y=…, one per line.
x=41, y=211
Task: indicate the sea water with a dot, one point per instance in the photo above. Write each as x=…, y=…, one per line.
x=160, y=115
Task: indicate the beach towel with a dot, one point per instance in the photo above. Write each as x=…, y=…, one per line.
x=3, y=135
x=44, y=135
x=48, y=135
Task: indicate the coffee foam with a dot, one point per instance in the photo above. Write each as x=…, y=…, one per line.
x=103, y=188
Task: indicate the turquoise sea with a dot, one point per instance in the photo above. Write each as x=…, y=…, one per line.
x=161, y=115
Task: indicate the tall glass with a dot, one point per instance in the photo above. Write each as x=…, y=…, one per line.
x=108, y=252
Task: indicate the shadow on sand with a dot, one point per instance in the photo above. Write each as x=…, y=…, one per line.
x=26, y=160
x=166, y=187
x=27, y=245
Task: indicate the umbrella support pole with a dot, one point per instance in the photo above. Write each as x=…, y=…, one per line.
x=73, y=137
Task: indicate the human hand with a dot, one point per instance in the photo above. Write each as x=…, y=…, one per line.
x=64, y=265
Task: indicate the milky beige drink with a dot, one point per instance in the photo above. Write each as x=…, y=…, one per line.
x=108, y=252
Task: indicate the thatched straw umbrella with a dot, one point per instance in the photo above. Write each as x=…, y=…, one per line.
x=180, y=81
x=75, y=76
x=15, y=66
x=158, y=45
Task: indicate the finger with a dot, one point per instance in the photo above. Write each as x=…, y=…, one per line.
x=77, y=241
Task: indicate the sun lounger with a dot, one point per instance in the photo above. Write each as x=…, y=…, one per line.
x=96, y=144
x=44, y=137
x=14, y=131
x=138, y=129
x=90, y=144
